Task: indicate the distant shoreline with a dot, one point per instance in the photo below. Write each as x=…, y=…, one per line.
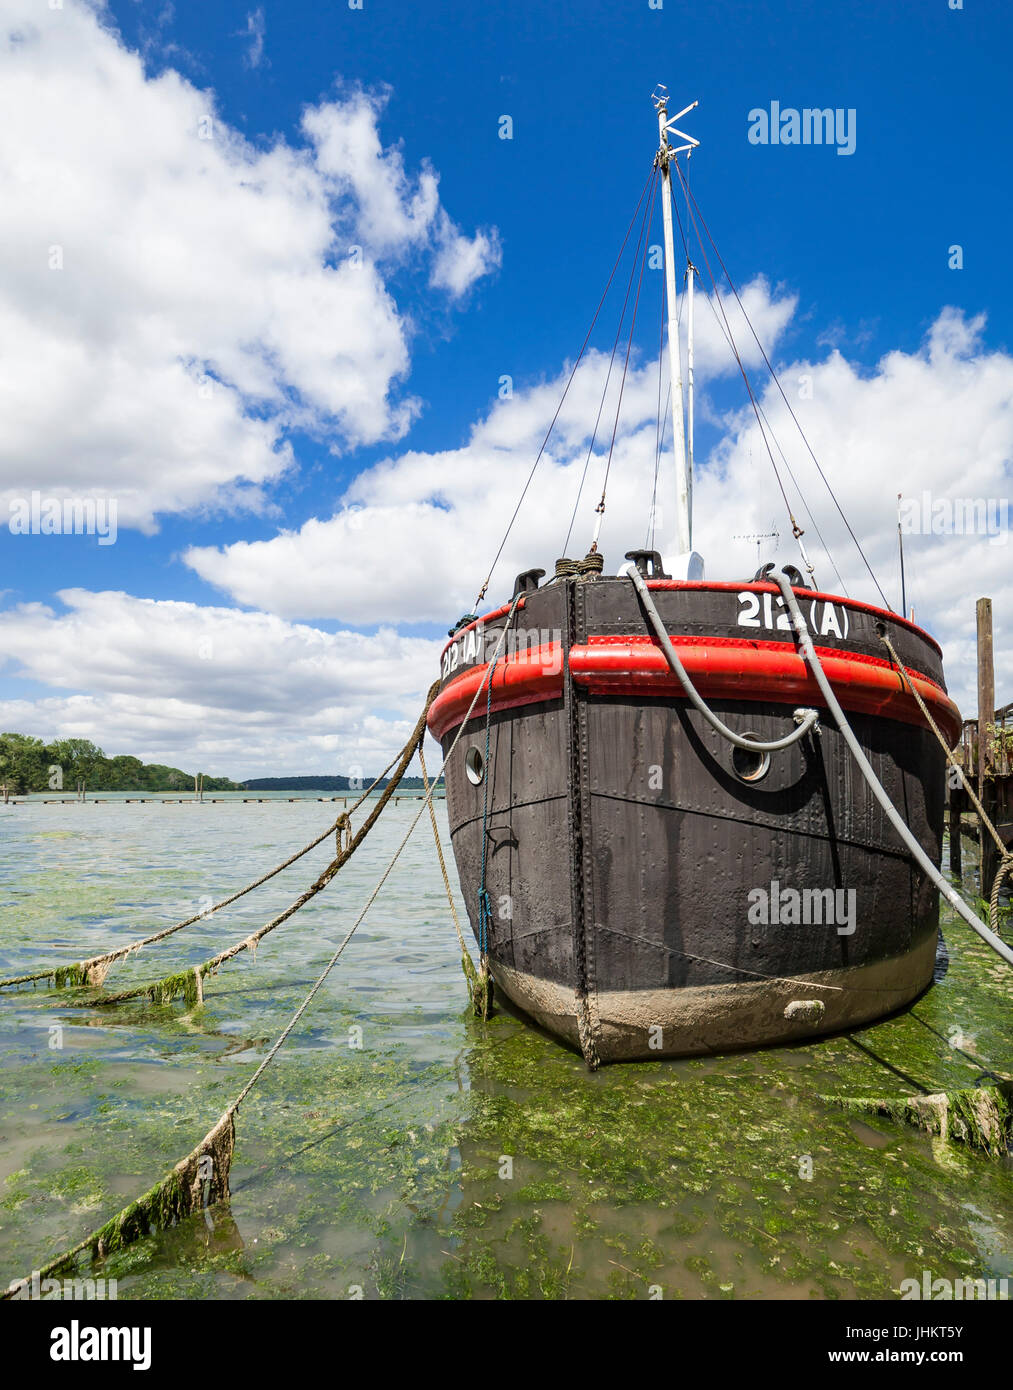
x=29, y=766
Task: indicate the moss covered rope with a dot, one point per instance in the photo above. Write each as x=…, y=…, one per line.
x=94, y=970
x=978, y=1116
x=479, y=985
x=190, y=983
x=202, y=1178
x=197, y=1182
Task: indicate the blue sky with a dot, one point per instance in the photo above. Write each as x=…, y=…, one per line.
x=858, y=245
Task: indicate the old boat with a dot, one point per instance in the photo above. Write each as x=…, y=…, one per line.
x=651, y=874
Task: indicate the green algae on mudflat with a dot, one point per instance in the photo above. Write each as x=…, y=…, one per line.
x=379, y=1171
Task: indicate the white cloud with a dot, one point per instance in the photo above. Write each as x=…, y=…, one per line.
x=461, y=260
x=255, y=31
x=417, y=533
x=141, y=262
x=240, y=694
x=936, y=421
x=394, y=212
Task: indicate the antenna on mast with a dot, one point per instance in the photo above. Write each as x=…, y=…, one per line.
x=759, y=537
x=900, y=543
x=687, y=560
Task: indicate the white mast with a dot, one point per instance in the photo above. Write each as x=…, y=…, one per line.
x=689, y=388
x=683, y=464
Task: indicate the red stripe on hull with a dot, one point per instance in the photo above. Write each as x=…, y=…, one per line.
x=524, y=679
x=771, y=671
x=720, y=668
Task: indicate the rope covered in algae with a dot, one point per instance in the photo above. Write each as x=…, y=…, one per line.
x=980, y=1117
x=202, y=1178
x=1006, y=858
x=467, y=964
x=189, y=983
x=94, y=970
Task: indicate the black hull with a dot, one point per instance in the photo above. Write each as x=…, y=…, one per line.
x=629, y=868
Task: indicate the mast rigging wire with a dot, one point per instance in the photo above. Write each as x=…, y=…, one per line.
x=777, y=383
x=645, y=227
x=559, y=407
x=796, y=530
x=608, y=376
x=784, y=458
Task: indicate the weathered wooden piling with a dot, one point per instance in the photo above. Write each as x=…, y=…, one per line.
x=986, y=741
x=953, y=827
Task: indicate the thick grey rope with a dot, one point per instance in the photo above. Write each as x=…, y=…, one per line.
x=805, y=719
x=876, y=787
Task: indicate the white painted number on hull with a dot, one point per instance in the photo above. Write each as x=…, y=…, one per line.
x=767, y=610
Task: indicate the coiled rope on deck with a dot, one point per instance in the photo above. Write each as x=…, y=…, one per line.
x=592, y=563
x=202, y=1178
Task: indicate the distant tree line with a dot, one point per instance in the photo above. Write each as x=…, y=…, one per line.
x=30, y=765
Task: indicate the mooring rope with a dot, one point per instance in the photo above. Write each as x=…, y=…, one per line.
x=865, y=767
x=875, y=785
x=467, y=964
x=1006, y=857
x=189, y=983
x=202, y=1178
x=805, y=719
x=94, y=970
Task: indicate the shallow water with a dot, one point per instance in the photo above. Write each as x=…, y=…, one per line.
x=445, y=1157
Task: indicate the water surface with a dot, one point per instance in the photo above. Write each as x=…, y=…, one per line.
x=443, y=1157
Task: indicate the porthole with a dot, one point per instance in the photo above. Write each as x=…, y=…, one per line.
x=750, y=767
x=474, y=765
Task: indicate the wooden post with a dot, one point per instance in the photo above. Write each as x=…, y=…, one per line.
x=956, y=796
x=986, y=719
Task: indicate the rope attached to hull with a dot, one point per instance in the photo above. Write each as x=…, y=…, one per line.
x=805, y=719
x=202, y=1178
x=94, y=969
x=476, y=991
x=1005, y=856
x=189, y=983
x=876, y=787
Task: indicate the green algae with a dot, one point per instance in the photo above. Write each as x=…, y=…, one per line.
x=379, y=1171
